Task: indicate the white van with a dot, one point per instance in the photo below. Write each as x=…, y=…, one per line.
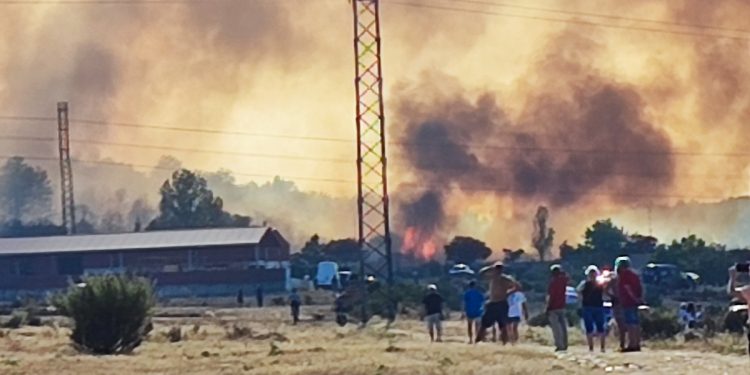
x=328, y=276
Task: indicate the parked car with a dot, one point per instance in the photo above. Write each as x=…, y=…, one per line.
x=669, y=275
x=460, y=269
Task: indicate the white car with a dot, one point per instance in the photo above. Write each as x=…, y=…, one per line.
x=461, y=269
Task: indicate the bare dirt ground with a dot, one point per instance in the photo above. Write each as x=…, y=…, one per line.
x=211, y=345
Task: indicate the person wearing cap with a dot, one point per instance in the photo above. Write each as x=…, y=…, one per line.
x=630, y=292
x=433, y=310
x=496, y=309
x=592, y=307
x=556, y=301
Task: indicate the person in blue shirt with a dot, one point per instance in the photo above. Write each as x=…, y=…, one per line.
x=473, y=308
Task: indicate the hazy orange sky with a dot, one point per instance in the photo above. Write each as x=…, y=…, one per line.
x=285, y=67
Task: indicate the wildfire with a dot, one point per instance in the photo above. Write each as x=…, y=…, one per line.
x=419, y=244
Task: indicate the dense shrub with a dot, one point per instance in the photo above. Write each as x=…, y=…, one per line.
x=111, y=314
x=660, y=324
x=541, y=319
x=17, y=320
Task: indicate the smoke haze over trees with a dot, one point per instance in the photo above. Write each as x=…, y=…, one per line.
x=25, y=191
x=491, y=124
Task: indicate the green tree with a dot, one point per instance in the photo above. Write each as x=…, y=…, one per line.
x=466, y=250
x=344, y=250
x=543, y=236
x=605, y=237
x=305, y=261
x=25, y=191
x=187, y=202
x=693, y=254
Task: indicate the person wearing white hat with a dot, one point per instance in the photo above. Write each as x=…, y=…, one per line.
x=433, y=312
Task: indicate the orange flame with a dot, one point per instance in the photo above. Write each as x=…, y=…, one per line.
x=419, y=244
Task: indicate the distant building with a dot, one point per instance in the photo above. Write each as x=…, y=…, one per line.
x=183, y=263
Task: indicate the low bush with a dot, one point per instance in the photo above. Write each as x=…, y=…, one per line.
x=111, y=314
x=660, y=324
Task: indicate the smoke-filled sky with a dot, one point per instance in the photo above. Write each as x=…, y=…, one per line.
x=489, y=116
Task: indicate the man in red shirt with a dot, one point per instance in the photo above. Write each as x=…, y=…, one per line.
x=630, y=293
x=556, y=307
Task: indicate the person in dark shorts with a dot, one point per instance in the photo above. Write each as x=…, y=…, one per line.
x=433, y=313
x=496, y=309
x=294, y=304
x=591, y=291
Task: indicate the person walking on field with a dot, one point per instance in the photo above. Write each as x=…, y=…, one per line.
x=556, y=307
x=517, y=308
x=591, y=291
x=496, y=310
x=630, y=292
x=433, y=310
x=473, y=306
x=294, y=304
x=259, y=295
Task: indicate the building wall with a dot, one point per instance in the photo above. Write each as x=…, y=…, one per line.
x=219, y=271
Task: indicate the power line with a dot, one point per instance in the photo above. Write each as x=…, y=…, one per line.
x=670, y=153
x=157, y=167
x=179, y=129
x=543, y=192
x=181, y=149
x=567, y=21
x=272, y=156
x=599, y=15
x=411, y=185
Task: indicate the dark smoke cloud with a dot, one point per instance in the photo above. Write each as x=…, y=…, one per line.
x=424, y=211
x=582, y=134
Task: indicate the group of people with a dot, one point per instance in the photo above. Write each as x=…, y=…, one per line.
x=505, y=305
x=690, y=316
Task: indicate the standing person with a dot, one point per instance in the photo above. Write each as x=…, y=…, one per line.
x=556, y=307
x=294, y=304
x=517, y=308
x=690, y=315
x=473, y=306
x=240, y=297
x=433, y=311
x=259, y=295
x=630, y=292
x=740, y=294
x=496, y=310
x=592, y=305
x=612, y=291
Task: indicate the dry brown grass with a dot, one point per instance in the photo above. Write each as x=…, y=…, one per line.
x=249, y=342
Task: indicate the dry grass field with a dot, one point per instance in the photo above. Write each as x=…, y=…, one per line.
x=263, y=342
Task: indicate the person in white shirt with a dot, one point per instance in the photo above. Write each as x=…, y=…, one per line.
x=516, y=309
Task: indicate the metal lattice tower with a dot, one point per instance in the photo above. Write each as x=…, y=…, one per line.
x=374, y=227
x=66, y=171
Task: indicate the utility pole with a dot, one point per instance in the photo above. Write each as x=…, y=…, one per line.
x=66, y=170
x=372, y=180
